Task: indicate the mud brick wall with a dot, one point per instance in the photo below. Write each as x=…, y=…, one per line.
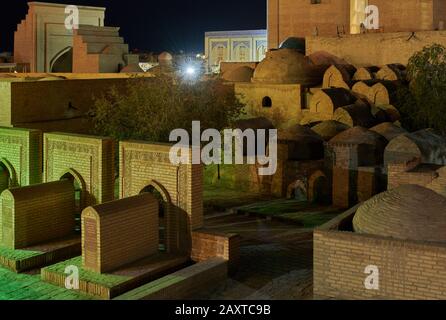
x=206, y=245
x=119, y=232
x=376, y=49
x=89, y=159
x=36, y=214
x=21, y=155
x=407, y=269
x=144, y=164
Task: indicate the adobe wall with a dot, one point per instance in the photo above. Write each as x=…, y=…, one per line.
x=42, y=35
x=298, y=18
x=144, y=164
x=376, y=48
x=90, y=160
x=407, y=269
x=60, y=105
x=286, y=101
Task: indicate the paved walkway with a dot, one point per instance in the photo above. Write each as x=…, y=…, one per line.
x=275, y=263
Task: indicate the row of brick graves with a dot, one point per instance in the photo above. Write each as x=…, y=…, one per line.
x=139, y=236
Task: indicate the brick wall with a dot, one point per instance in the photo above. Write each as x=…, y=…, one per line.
x=21, y=155
x=36, y=214
x=89, y=159
x=286, y=101
x=207, y=245
x=120, y=232
x=144, y=164
x=375, y=48
x=407, y=269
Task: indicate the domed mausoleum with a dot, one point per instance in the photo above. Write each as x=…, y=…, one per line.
x=240, y=74
x=288, y=66
x=409, y=212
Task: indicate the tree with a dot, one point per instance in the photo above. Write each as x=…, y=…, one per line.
x=423, y=104
x=150, y=108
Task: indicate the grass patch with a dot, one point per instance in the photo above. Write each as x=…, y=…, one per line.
x=105, y=280
x=18, y=255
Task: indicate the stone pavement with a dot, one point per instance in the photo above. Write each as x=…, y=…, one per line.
x=275, y=263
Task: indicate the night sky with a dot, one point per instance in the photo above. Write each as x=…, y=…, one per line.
x=150, y=25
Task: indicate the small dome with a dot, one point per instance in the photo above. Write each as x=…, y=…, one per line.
x=304, y=143
x=409, y=212
x=388, y=130
x=254, y=123
x=359, y=135
x=329, y=129
x=294, y=43
x=288, y=66
x=298, y=133
x=240, y=74
x=132, y=68
x=164, y=57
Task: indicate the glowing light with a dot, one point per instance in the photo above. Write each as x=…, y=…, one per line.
x=190, y=70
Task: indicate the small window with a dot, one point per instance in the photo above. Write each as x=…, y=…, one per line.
x=267, y=102
x=316, y=1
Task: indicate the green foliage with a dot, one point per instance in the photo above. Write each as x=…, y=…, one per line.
x=424, y=103
x=150, y=108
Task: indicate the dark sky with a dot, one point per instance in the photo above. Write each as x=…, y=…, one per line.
x=156, y=25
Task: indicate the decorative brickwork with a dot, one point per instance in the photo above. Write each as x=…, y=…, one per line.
x=36, y=214
x=120, y=232
x=145, y=164
x=89, y=160
x=21, y=157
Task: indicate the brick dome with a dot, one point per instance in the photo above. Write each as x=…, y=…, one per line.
x=359, y=135
x=165, y=57
x=303, y=143
x=329, y=129
x=388, y=130
x=409, y=212
x=288, y=66
x=240, y=74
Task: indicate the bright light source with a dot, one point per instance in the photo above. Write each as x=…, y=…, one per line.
x=198, y=56
x=190, y=70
